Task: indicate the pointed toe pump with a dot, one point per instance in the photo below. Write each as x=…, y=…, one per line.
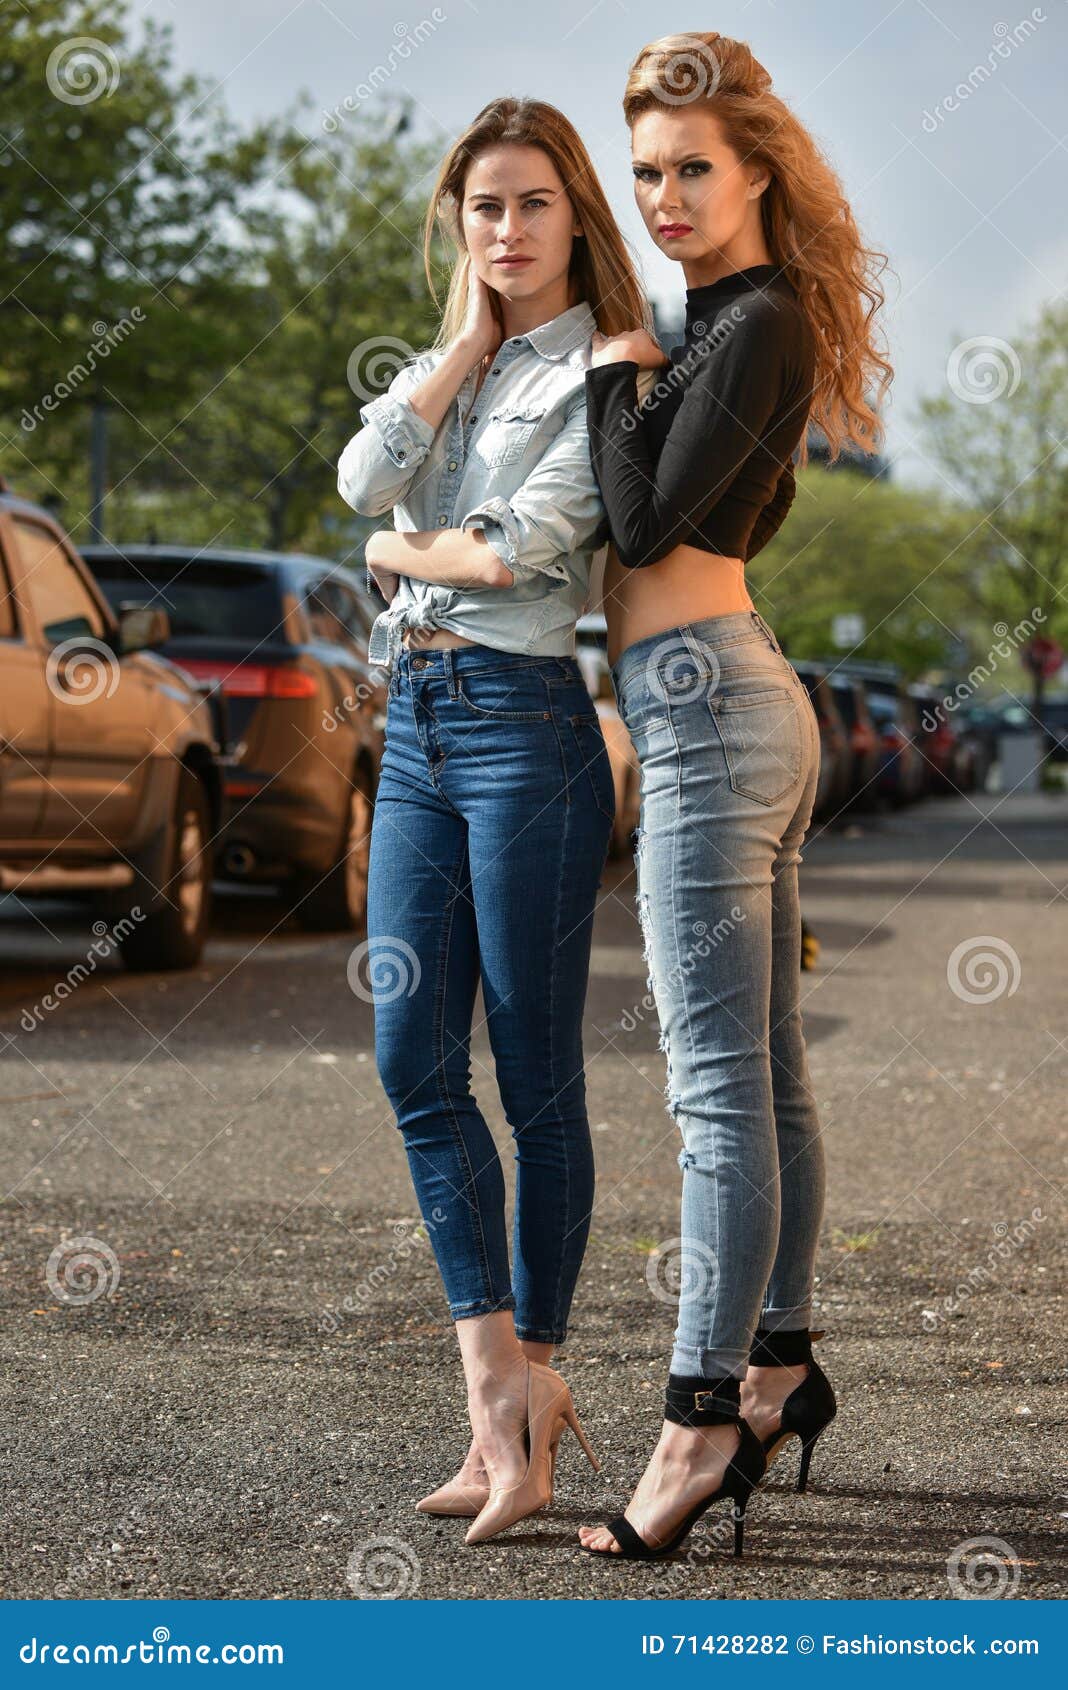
x=458, y=1501
x=549, y=1410
x=699, y=1402
x=808, y=1410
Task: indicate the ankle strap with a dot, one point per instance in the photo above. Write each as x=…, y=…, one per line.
x=782, y=1349
x=692, y=1401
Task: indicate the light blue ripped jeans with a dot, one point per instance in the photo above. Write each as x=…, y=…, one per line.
x=729, y=749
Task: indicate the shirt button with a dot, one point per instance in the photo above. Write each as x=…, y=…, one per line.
x=443, y=521
x=420, y=662
x=452, y=463
x=495, y=372
x=472, y=419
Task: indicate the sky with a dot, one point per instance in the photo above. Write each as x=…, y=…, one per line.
x=965, y=193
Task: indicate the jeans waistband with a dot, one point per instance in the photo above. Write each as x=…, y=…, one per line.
x=448, y=662
x=710, y=633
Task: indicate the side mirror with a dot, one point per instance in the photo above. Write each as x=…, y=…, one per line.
x=141, y=626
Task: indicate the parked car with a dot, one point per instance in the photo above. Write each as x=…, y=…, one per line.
x=894, y=713
x=864, y=747
x=109, y=781
x=591, y=639
x=836, y=760
x=949, y=756
x=284, y=637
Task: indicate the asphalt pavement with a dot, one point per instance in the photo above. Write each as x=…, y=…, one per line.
x=228, y=1367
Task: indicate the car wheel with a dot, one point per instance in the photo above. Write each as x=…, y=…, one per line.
x=172, y=934
x=337, y=901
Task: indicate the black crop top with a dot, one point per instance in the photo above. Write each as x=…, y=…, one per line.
x=704, y=459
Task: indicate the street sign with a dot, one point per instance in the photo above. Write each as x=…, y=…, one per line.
x=847, y=629
x=1042, y=655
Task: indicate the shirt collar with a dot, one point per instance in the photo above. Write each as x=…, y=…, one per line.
x=561, y=337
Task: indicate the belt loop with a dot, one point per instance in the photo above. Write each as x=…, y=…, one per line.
x=449, y=654
x=767, y=631
x=699, y=652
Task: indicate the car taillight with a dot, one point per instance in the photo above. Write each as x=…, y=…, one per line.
x=252, y=680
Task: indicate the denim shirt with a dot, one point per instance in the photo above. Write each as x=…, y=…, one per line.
x=513, y=461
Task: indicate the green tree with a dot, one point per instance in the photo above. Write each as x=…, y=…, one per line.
x=337, y=301
x=1001, y=436
x=898, y=557
x=118, y=185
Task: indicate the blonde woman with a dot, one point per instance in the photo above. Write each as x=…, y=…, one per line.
x=780, y=292
x=495, y=805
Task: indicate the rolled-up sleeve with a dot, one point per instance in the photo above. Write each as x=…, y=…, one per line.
x=557, y=511
x=379, y=463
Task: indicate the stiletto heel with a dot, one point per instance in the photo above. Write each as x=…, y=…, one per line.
x=739, y=1523
x=806, y=1462
x=549, y=1409
x=572, y=1420
x=700, y=1402
x=808, y=1410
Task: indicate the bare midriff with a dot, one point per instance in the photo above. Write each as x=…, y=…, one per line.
x=686, y=585
x=440, y=637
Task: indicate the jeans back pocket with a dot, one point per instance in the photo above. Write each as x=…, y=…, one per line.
x=762, y=740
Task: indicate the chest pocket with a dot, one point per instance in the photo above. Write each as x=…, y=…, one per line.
x=506, y=434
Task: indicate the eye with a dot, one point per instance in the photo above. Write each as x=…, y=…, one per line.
x=540, y=204
x=697, y=167
x=484, y=205
x=644, y=173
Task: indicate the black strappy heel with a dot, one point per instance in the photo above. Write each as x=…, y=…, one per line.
x=808, y=1410
x=700, y=1402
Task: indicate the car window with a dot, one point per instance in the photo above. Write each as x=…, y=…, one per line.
x=326, y=614
x=356, y=619
x=62, y=603
x=206, y=598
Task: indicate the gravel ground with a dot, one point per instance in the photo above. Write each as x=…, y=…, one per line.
x=273, y=1380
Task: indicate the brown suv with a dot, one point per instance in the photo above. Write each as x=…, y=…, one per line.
x=108, y=775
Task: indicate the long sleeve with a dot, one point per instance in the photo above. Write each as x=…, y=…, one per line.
x=557, y=511
x=773, y=515
x=380, y=462
x=737, y=387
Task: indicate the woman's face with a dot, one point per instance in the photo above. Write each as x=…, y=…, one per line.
x=695, y=194
x=518, y=222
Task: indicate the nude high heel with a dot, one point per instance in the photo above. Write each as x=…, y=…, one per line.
x=549, y=1410
x=456, y=1500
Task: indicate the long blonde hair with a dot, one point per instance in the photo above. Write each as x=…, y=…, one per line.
x=808, y=224
x=601, y=271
